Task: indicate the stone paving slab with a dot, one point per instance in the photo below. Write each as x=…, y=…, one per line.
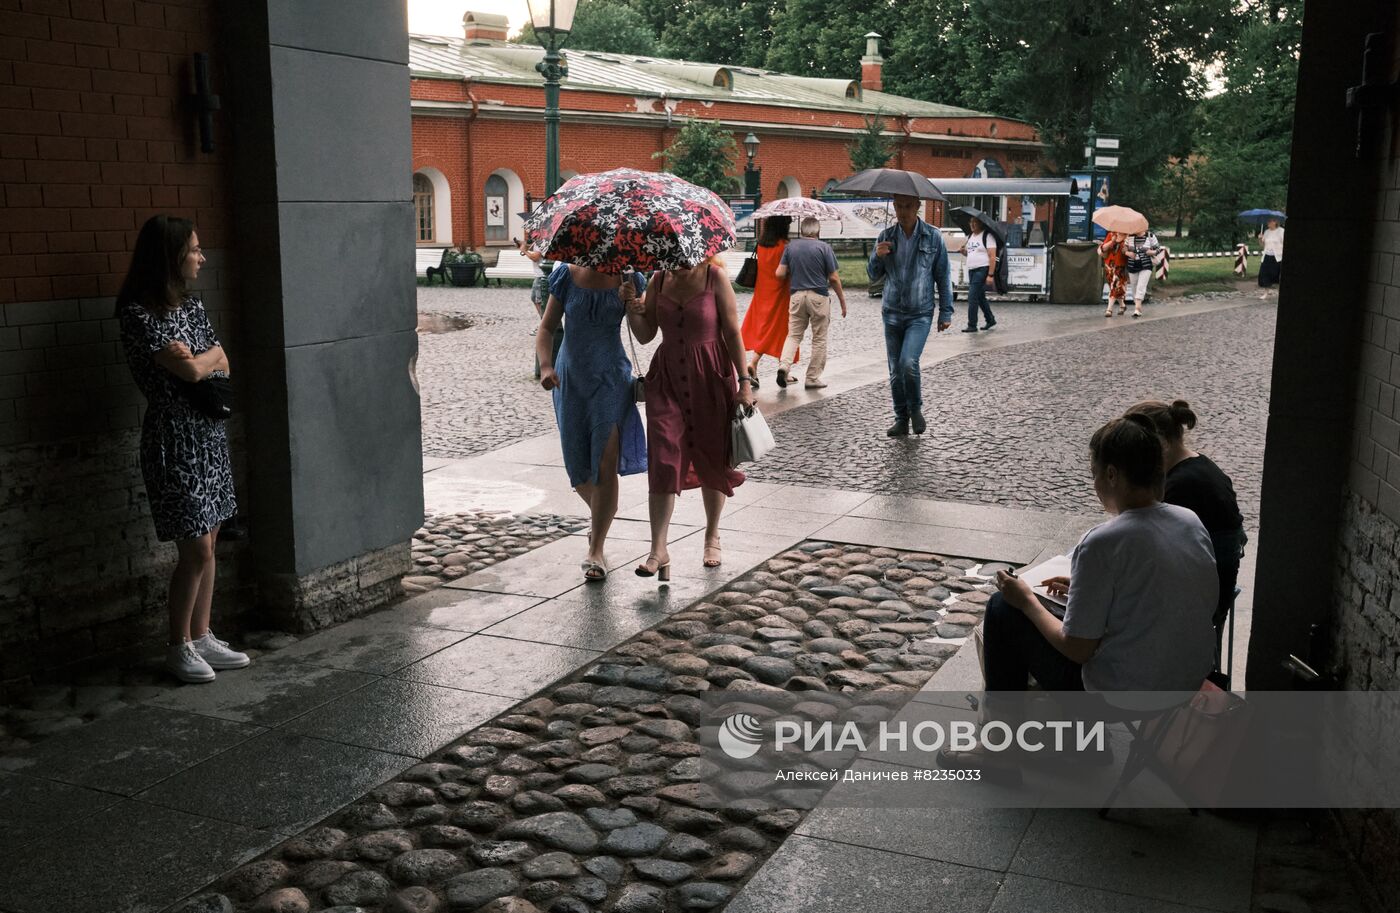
x=379, y=644
x=987, y=546
x=269, y=692
x=278, y=781
x=457, y=608
x=961, y=515
x=31, y=807
x=985, y=838
x=131, y=750
x=1159, y=854
x=1022, y=894
x=497, y=665
x=132, y=857
x=551, y=570
x=399, y=717
x=808, y=875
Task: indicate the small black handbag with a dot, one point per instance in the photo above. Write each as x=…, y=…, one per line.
x=748, y=273
x=211, y=397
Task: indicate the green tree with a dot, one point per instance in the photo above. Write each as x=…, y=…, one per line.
x=1247, y=129
x=610, y=26
x=824, y=37
x=711, y=31
x=871, y=149
x=703, y=153
x=936, y=53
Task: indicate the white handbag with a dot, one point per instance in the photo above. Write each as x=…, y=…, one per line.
x=749, y=436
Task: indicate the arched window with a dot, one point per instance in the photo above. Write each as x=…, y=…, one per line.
x=496, y=205
x=423, y=208
x=830, y=187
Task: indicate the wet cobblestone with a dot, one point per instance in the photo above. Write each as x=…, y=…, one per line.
x=1011, y=426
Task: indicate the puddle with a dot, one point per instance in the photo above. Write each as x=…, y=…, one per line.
x=443, y=323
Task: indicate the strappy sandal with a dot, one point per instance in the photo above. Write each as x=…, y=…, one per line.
x=715, y=561
x=654, y=567
x=753, y=375
x=1122, y=308
x=592, y=570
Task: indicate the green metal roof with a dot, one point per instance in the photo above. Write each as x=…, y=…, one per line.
x=482, y=60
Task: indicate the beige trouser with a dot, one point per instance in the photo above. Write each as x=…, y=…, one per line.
x=808, y=309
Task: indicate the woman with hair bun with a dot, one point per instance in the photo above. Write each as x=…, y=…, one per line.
x=1194, y=481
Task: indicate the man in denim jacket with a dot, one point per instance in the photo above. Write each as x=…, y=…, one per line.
x=912, y=259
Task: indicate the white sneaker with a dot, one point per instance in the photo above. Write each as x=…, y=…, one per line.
x=217, y=653
x=185, y=663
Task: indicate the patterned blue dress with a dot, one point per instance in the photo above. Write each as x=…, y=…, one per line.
x=594, y=395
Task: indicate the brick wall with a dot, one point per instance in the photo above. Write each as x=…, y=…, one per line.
x=92, y=142
x=1366, y=622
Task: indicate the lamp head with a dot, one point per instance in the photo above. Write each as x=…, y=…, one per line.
x=552, y=19
x=751, y=146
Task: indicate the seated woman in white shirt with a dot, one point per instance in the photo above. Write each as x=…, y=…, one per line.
x=1141, y=593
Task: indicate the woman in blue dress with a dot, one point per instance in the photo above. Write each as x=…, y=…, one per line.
x=599, y=426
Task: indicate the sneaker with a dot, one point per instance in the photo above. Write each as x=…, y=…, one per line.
x=900, y=428
x=185, y=663
x=814, y=384
x=782, y=377
x=918, y=421
x=217, y=653
x=989, y=326
x=969, y=329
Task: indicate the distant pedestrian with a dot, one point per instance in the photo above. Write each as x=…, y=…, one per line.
x=1113, y=249
x=765, y=326
x=809, y=266
x=1141, y=249
x=1271, y=266
x=695, y=382
x=980, y=258
x=600, y=429
x=168, y=339
x=913, y=260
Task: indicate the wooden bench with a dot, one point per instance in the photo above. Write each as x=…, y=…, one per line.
x=512, y=264
x=734, y=261
x=430, y=263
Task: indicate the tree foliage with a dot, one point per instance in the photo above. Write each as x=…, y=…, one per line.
x=610, y=26
x=871, y=149
x=734, y=33
x=1246, y=129
x=703, y=153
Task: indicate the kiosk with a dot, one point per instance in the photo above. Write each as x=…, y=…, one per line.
x=1029, y=240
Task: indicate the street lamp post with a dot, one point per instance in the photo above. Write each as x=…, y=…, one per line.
x=552, y=21
x=753, y=175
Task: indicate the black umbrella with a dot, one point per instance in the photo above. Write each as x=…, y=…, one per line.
x=963, y=216
x=889, y=182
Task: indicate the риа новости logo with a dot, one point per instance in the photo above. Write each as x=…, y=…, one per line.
x=740, y=736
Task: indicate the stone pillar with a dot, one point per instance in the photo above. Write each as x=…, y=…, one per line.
x=1311, y=406
x=319, y=110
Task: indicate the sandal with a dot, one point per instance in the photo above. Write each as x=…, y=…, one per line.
x=1122, y=308
x=753, y=375
x=592, y=570
x=655, y=567
x=708, y=561
x=993, y=770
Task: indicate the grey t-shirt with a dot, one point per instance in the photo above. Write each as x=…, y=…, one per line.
x=810, y=263
x=1144, y=584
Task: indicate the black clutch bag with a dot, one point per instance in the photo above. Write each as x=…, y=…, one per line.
x=748, y=273
x=211, y=397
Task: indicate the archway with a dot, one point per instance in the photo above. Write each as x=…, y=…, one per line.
x=504, y=201
x=789, y=187
x=432, y=207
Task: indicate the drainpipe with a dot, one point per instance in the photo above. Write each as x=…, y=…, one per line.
x=471, y=194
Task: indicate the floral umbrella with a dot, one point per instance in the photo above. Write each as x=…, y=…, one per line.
x=798, y=208
x=627, y=219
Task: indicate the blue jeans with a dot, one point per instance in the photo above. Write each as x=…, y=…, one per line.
x=977, y=296
x=904, y=346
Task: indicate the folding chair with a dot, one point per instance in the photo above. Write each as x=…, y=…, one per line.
x=1149, y=730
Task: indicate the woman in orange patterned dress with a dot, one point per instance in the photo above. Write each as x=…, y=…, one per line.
x=765, y=326
x=1113, y=249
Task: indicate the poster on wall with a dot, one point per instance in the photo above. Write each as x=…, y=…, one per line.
x=495, y=212
x=1101, y=199
x=1079, y=208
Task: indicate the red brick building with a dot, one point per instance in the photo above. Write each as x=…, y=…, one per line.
x=478, y=130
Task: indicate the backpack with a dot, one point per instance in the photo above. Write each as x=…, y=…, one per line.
x=999, y=279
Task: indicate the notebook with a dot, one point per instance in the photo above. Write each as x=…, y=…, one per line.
x=1057, y=566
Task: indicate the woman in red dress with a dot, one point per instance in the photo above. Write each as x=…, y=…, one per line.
x=766, y=321
x=691, y=397
x=1115, y=266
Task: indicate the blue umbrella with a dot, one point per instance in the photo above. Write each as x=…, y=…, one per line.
x=1260, y=216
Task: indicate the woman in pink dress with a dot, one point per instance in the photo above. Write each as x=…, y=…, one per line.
x=696, y=380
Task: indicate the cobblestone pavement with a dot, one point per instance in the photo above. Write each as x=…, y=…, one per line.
x=477, y=383
x=594, y=795
x=1011, y=426
x=455, y=545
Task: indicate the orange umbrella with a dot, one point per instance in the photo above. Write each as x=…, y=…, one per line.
x=1121, y=219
